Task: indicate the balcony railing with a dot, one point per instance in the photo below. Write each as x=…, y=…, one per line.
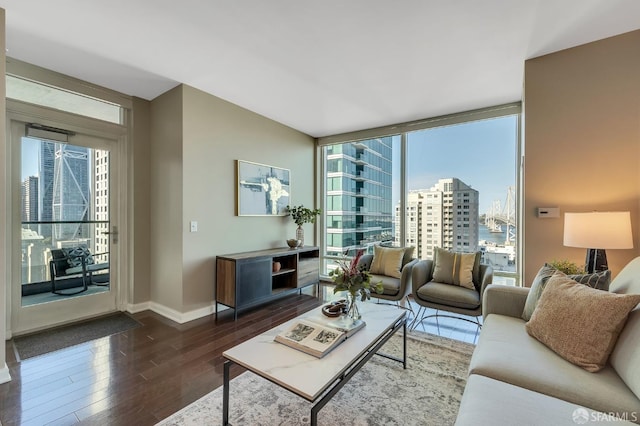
x=40, y=237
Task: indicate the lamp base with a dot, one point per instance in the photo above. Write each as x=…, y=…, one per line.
x=596, y=261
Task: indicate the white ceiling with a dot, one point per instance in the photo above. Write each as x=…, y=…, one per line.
x=322, y=67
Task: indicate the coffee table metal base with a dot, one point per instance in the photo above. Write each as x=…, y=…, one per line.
x=341, y=381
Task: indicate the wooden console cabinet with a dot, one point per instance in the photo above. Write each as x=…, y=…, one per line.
x=248, y=279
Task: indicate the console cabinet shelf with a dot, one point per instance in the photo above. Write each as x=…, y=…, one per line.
x=248, y=279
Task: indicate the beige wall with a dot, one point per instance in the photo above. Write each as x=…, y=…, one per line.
x=5, y=224
x=166, y=167
x=214, y=134
x=140, y=201
x=582, y=143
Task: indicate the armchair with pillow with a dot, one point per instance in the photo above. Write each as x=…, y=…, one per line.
x=452, y=282
x=393, y=267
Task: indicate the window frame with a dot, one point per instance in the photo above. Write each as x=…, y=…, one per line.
x=402, y=130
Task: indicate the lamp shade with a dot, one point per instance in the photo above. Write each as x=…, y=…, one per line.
x=601, y=230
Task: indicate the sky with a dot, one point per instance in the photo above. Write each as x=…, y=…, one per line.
x=30, y=157
x=482, y=154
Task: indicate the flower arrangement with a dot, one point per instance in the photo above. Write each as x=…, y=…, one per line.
x=301, y=214
x=350, y=277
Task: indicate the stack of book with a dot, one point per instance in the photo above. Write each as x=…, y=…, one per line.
x=317, y=336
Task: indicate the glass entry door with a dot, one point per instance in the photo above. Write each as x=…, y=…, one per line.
x=68, y=252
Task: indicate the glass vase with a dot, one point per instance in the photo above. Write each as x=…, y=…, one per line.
x=353, y=313
x=300, y=235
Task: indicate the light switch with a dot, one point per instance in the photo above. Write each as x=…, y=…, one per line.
x=194, y=226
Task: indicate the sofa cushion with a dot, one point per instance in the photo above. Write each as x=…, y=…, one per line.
x=599, y=280
x=579, y=323
x=506, y=352
x=390, y=285
x=450, y=295
x=387, y=261
x=454, y=268
x=488, y=402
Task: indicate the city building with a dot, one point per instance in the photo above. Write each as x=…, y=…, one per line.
x=70, y=191
x=445, y=215
x=30, y=204
x=359, y=203
x=101, y=202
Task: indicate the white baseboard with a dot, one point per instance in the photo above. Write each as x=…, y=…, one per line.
x=172, y=314
x=138, y=307
x=182, y=317
x=4, y=374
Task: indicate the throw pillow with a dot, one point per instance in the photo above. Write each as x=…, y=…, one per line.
x=387, y=261
x=579, y=323
x=539, y=283
x=598, y=280
x=76, y=254
x=454, y=268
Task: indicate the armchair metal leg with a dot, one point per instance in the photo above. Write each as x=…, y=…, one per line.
x=397, y=304
x=437, y=315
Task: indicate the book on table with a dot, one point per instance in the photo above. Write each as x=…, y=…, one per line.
x=317, y=336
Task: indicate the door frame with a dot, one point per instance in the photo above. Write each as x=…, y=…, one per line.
x=18, y=111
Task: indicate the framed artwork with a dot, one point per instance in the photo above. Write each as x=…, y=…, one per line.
x=262, y=190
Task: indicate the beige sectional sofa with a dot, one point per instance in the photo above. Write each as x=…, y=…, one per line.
x=516, y=380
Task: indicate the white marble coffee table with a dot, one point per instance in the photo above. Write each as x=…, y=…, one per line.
x=316, y=379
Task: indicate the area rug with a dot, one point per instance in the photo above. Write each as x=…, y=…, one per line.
x=428, y=392
x=70, y=335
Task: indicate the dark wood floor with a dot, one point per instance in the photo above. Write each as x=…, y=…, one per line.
x=143, y=375
x=137, y=377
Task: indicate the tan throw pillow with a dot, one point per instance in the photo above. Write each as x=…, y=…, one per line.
x=579, y=323
x=454, y=268
x=387, y=261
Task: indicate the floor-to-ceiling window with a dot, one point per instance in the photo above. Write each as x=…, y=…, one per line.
x=450, y=182
x=362, y=184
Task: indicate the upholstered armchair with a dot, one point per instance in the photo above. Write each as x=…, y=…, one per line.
x=397, y=287
x=450, y=297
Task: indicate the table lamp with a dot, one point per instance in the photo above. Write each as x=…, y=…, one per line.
x=598, y=231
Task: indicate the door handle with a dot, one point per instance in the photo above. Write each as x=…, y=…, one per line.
x=113, y=232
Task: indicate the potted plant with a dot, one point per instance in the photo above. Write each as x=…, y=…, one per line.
x=301, y=215
x=567, y=267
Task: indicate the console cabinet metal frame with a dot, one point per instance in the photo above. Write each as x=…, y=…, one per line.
x=248, y=279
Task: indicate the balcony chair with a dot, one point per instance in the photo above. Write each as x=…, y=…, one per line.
x=395, y=273
x=67, y=262
x=458, y=286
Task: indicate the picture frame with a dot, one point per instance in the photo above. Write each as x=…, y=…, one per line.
x=262, y=190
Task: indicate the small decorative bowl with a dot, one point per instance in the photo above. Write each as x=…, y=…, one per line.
x=293, y=243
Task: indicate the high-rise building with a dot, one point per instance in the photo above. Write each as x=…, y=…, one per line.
x=45, y=186
x=30, y=204
x=101, y=203
x=359, y=207
x=445, y=215
x=70, y=192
